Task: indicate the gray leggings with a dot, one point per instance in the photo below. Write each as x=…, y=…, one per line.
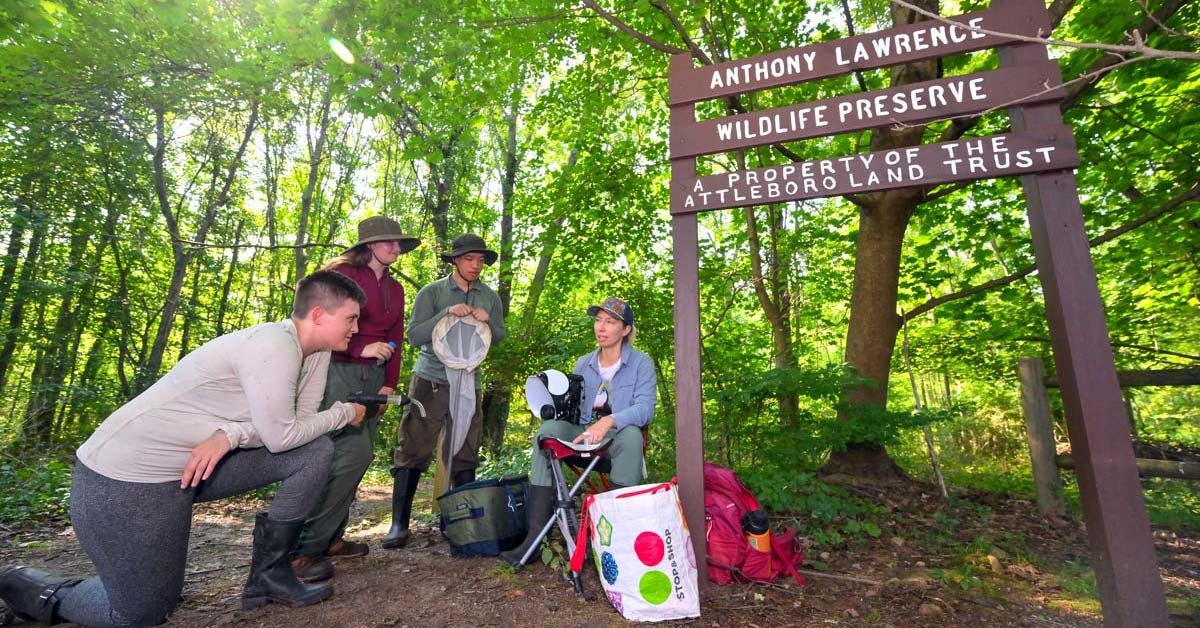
x=137, y=533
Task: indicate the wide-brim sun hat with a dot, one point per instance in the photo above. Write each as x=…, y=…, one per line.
x=384, y=229
x=618, y=308
x=469, y=243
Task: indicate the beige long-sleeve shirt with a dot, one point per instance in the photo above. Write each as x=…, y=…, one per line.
x=255, y=385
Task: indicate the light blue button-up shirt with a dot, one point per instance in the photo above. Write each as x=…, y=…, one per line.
x=632, y=392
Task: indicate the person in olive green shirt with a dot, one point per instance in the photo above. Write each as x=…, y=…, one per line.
x=460, y=294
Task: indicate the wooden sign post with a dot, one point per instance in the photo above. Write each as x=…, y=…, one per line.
x=1040, y=149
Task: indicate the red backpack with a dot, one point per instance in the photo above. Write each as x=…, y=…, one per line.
x=730, y=556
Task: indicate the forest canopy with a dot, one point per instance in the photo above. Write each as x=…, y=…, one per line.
x=168, y=169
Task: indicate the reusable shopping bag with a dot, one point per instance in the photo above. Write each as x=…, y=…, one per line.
x=643, y=551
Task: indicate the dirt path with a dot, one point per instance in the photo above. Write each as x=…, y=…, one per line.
x=889, y=581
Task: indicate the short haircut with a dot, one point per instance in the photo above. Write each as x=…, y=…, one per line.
x=326, y=288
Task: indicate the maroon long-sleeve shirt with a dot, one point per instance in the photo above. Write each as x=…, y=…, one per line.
x=381, y=320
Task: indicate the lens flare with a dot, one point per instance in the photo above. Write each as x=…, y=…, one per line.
x=341, y=50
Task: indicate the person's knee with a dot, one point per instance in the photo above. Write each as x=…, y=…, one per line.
x=320, y=450
x=555, y=429
x=149, y=615
x=628, y=438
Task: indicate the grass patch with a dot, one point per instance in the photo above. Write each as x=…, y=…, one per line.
x=1079, y=591
x=1183, y=603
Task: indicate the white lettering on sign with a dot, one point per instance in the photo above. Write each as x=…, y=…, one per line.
x=984, y=155
x=864, y=108
x=917, y=99
x=779, y=67
x=936, y=35
x=913, y=165
x=866, y=50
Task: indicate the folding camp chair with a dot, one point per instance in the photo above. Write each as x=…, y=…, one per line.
x=580, y=467
x=565, y=514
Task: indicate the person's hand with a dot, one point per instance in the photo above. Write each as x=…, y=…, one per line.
x=378, y=350
x=480, y=314
x=462, y=309
x=360, y=411
x=204, y=459
x=385, y=391
x=596, y=431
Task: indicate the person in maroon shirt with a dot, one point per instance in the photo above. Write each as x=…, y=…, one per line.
x=371, y=363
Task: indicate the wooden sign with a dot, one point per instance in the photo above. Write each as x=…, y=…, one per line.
x=927, y=164
x=910, y=104
x=891, y=47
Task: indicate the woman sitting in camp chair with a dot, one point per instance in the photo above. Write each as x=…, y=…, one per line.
x=619, y=393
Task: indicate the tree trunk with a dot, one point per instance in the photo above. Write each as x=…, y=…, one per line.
x=507, y=188
x=228, y=286
x=549, y=242
x=775, y=303
x=882, y=220
x=16, y=310
x=273, y=156
x=190, y=314
x=16, y=241
x=316, y=154
x=498, y=397
x=49, y=372
x=217, y=197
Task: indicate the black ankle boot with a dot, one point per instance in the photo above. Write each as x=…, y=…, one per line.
x=271, y=576
x=34, y=594
x=539, y=508
x=466, y=476
x=404, y=486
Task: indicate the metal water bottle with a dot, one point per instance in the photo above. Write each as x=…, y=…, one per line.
x=758, y=533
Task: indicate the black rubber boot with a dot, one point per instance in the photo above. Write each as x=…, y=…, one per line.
x=32, y=594
x=271, y=576
x=466, y=476
x=404, y=486
x=539, y=508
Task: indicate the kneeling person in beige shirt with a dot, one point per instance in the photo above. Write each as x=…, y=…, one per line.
x=237, y=413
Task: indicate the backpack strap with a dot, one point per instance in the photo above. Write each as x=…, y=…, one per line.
x=787, y=564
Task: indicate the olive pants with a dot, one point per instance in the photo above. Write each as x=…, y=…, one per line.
x=353, y=448
x=625, y=452
x=417, y=436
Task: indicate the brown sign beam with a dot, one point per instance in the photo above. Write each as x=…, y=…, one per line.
x=689, y=409
x=903, y=44
x=927, y=164
x=1122, y=547
x=919, y=102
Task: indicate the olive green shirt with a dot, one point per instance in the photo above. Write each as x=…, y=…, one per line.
x=432, y=303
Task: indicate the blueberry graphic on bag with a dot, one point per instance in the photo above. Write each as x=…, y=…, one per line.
x=608, y=565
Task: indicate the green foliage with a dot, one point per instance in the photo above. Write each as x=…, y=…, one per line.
x=508, y=461
x=1078, y=582
x=966, y=576
x=824, y=514
x=748, y=432
x=34, y=489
